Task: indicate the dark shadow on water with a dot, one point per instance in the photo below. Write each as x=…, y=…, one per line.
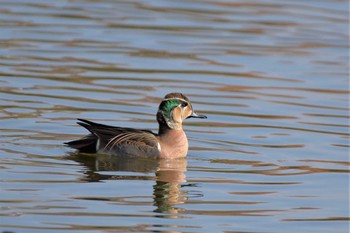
x=169, y=174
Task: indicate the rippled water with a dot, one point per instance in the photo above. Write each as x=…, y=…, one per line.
x=272, y=77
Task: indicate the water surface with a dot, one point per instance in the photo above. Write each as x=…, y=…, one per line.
x=271, y=76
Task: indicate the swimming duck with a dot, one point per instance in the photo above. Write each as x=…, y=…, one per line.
x=170, y=142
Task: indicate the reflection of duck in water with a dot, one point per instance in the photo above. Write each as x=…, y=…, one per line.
x=167, y=190
x=170, y=142
x=169, y=176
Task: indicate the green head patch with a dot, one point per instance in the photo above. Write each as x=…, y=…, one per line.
x=168, y=105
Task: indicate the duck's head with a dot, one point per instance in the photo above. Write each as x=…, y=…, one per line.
x=175, y=108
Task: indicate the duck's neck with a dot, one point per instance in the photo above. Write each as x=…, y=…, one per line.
x=173, y=142
x=165, y=129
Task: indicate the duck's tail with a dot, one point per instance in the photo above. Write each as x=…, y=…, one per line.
x=86, y=144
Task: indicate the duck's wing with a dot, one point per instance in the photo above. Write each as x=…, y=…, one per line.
x=141, y=144
x=120, y=140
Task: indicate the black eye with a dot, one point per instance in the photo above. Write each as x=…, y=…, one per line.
x=184, y=104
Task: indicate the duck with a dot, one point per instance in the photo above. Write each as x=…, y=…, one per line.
x=170, y=142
